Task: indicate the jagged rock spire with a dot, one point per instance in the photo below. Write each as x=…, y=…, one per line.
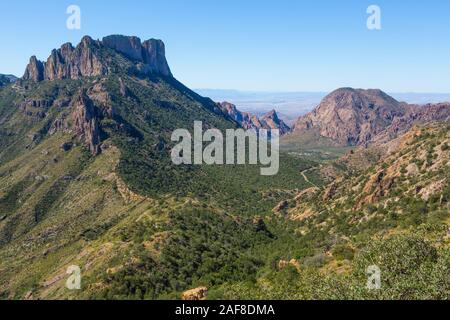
x=34, y=70
x=88, y=59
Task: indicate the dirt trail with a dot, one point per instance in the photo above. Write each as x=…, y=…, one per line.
x=303, y=173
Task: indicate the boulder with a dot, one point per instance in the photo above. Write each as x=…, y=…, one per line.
x=195, y=294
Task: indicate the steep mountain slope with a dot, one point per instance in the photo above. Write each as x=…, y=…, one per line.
x=86, y=178
x=96, y=93
x=248, y=121
x=412, y=168
x=391, y=211
x=272, y=121
x=357, y=117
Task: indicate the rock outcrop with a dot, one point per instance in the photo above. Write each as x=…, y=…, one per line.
x=34, y=70
x=86, y=122
x=415, y=114
x=272, y=121
x=154, y=55
x=352, y=116
x=358, y=117
x=283, y=264
x=91, y=58
x=151, y=53
x=248, y=121
x=130, y=47
x=35, y=108
x=73, y=63
x=195, y=294
x=432, y=189
x=283, y=205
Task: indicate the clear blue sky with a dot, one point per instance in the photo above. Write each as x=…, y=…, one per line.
x=276, y=45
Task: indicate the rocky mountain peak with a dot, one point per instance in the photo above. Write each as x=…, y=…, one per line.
x=272, y=121
x=154, y=55
x=352, y=116
x=87, y=41
x=34, y=70
x=86, y=123
x=89, y=58
x=271, y=114
x=130, y=47
x=249, y=121
x=357, y=117
x=244, y=119
x=359, y=99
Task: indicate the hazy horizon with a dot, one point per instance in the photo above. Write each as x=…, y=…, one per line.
x=291, y=105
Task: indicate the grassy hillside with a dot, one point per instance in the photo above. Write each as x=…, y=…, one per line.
x=138, y=226
x=394, y=214
x=91, y=219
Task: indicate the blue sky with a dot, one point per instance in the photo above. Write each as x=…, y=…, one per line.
x=276, y=45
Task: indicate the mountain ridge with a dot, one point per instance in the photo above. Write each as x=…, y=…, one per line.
x=248, y=121
x=6, y=79
x=356, y=116
x=90, y=58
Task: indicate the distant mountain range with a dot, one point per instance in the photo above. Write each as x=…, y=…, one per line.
x=349, y=117
x=6, y=79
x=291, y=105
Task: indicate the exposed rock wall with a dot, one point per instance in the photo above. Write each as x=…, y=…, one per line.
x=249, y=121
x=358, y=117
x=86, y=122
x=88, y=59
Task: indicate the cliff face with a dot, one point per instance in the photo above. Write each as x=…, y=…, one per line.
x=34, y=70
x=272, y=121
x=244, y=119
x=151, y=53
x=357, y=117
x=86, y=122
x=90, y=58
x=73, y=63
x=249, y=121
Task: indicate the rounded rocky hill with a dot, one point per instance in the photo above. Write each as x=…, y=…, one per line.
x=357, y=117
